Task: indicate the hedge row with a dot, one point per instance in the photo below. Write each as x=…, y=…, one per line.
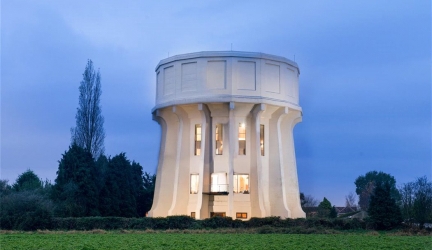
x=186, y=222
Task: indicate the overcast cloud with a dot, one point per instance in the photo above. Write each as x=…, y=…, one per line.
x=365, y=82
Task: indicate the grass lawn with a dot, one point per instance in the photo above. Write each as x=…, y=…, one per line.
x=142, y=240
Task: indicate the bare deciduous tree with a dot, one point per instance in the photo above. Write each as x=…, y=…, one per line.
x=89, y=131
x=364, y=197
x=407, y=192
x=308, y=201
x=351, y=200
x=416, y=201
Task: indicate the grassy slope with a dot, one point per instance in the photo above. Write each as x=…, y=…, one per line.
x=117, y=240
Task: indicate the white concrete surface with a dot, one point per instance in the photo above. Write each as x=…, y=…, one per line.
x=236, y=90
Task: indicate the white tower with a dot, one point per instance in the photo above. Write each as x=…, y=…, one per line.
x=227, y=146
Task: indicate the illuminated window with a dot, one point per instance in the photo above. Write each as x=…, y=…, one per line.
x=217, y=214
x=219, y=139
x=241, y=215
x=262, y=139
x=241, y=183
x=219, y=182
x=242, y=139
x=194, y=181
x=197, y=139
x=193, y=215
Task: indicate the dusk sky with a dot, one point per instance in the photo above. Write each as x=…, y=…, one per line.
x=365, y=78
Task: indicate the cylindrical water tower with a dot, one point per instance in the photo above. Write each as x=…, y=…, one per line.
x=227, y=146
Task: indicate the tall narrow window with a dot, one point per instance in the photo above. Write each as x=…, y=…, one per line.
x=197, y=139
x=262, y=139
x=242, y=138
x=194, y=181
x=241, y=183
x=219, y=139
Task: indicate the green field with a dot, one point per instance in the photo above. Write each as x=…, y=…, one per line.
x=139, y=240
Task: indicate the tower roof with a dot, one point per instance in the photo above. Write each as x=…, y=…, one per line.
x=227, y=76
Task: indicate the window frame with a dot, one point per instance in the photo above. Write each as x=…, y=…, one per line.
x=241, y=215
x=197, y=139
x=217, y=214
x=242, y=138
x=236, y=184
x=191, y=188
x=262, y=139
x=219, y=139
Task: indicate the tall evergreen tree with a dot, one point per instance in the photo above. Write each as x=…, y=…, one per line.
x=5, y=188
x=27, y=181
x=122, y=188
x=89, y=132
x=383, y=211
x=101, y=170
x=138, y=188
x=333, y=212
x=365, y=186
x=324, y=208
x=75, y=186
x=149, y=187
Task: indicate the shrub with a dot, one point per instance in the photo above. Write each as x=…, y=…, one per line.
x=237, y=223
x=262, y=225
x=141, y=223
x=267, y=221
x=109, y=223
x=357, y=224
x=266, y=229
x=26, y=210
x=217, y=222
x=299, y=222
x=179, y=222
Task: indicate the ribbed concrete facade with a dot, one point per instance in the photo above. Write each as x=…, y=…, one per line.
x=227, y=146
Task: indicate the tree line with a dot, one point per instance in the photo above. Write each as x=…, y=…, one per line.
x=114, y=187
x=88, y=183
x=387, y=206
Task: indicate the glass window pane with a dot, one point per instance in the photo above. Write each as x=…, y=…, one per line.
x=219, y=139
x=194, y=183
x=262, y=139
x=241, y=183
x=219, y=182
x=197, y=146
x=242, y=139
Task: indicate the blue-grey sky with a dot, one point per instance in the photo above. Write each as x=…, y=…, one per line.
x=365, y=82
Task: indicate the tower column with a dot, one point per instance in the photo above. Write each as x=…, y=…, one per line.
x=232, y=152
x=181, y=163
x=289, y=166
x=278, y=199
x=204, y=158
x=256, y=164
